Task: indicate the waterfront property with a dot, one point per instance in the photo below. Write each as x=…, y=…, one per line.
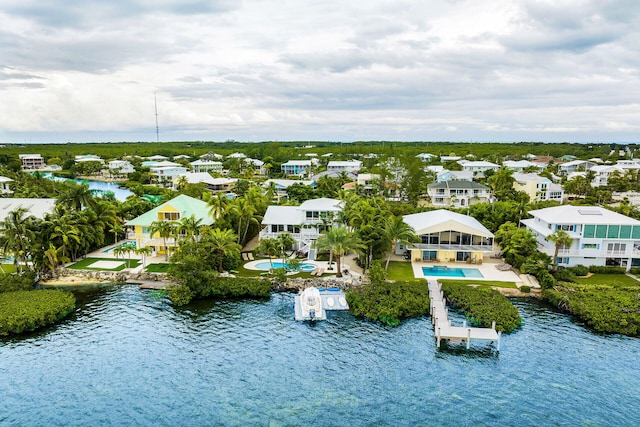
x=31, y=162
x=302, y=222
x=445, y=271
x=174, y=210
x=599, y=236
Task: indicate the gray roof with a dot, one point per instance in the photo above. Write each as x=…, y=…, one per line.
x=282, y=215
x=35, y=207
x=444, y=220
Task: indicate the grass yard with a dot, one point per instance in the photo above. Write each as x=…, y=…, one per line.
x=8, y=268
x=244, y=272
x=479, y=282
x=608, y=279
x=157, y=268
x=85, y=264
x=400, y=271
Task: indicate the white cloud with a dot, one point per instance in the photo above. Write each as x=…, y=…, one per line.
x=301, y=69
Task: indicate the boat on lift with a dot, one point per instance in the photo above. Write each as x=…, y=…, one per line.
x=308, y=305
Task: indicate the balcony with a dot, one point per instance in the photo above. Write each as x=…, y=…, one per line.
x=451, y=247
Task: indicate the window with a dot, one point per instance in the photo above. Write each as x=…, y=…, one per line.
x=171, y=216
x=566, y=227
x=589, y=246
x=562, y=260
x=617, y=247
x=589, y=231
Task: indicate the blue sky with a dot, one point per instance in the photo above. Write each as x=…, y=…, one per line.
x=255, y=70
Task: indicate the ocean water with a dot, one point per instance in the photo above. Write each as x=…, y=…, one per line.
x=127, y=357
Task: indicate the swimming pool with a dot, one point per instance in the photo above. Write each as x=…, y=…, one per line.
x=119, y=245
x=266, y=266
x=451, y=272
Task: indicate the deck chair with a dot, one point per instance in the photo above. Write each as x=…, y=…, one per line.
x=244, y=256
x=250, y=256
x=320, y=272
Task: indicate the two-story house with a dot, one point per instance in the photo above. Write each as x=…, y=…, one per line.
x=521, y=165
x=206, y=166
x=458, y=193
x=344, y=165
x=478, y=168
x=172, y=211
x=31, y=162
x=120, y=167
x=296, y=167
x=305, y=222
x=447, y=236
x=537, y=187
x=600, y=236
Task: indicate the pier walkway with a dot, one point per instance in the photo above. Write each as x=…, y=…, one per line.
x=442, y=325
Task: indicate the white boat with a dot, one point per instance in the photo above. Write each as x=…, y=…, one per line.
x=308, y=305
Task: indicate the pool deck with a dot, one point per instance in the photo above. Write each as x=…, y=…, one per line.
x=487, y=269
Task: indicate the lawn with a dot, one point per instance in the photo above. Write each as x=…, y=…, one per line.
x=8, y=268
x=85, y=264
x=608, y=279
x=157, y=268
x=400, y=271
x=480, y=282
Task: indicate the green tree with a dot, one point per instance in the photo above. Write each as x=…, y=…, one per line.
x=269, y=247
x=285, y=241
x=397, y=231
x=339, y=241
x=164, y=229
x=190, y=227
x=16, y=236
x=559, y=238
x=77, y=196
x=223, y=242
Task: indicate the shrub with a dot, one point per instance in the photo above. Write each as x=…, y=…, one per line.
x=17, y=282
x=605, y=309
x=23, y=311
x=525, y=289
x=180, y=295
x=483, y=305
x=221, y=287
x=389, y=303
x=635, y=270
x=546, y=280
x=606, y=269
x=564, y=275
x=579, y=270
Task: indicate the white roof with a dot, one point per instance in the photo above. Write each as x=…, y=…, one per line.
x=157, y=157
x=256, y=162
x=444, y=220
x=606, y=168
x=282, y=215
x=200, y=162
x=573, y=163
x=298, y=162
x=237, y=156
x=322, y=204
x=35, y=207
x=5, y=179
x=435, y=168
x=163, y=164
x=524, y=177
x=519, y=164
x=344, y=163
x=204, y=177
x=480, y=163
x=286, y=182
x=567, y=214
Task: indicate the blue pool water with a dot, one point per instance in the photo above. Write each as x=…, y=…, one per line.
x=126, y=357
x=119, y=245
x=266, y=266
x=98, y=187
x=451, y=272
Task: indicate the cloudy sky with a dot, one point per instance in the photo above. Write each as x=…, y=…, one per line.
x=255, y=70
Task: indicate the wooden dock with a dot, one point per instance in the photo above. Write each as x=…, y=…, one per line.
x=442, y=325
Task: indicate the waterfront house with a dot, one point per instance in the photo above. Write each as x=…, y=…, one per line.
x=214, y=185
x=120, y=167
x=206, y=166
x=5, y=185
x=172, y=211
x=447, y=236
x=600, y=236
x=575, y=166
x=304, y=222
x=458, y=193
x=31, y=162
x=296, y=167
x=537, y=187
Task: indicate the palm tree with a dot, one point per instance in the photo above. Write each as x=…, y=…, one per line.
x=190, y=226
x=77, y=196
x=53, y=257
x=16, y=236
x=397, y=231
x=218, y=206
x=560, y=238
x=245, y=210
x=339, y=241
x=223, y=242
x=164, y=229
x=144, y=251
x=269, y=247
x=285, y=241
x=116, y=228
x=66, y=232
x=181, y=182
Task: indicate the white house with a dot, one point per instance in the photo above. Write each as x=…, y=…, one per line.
x=600, y=236
x=215, y=185
x=206, y=166
x=37, y=208
x=458, y=194
x=281, y=185
x=521, y=165
x=303, y=222
x=537, y=187
x=258, y=165
x=157, y=158
x=120, y=167
x=447, y=175
x=5, y=185
x=602, y=173
x=237, y=156
x=89, y=158
x=479, y=167
x=211, y=156
x=449, y=158
x=447, y=236
x=426, y=157
x=574, y=166
x=344, y=165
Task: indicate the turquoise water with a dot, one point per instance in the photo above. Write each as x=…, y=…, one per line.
x=266, y=266
x=127, y=358
x=132, y=243
x=120, y=194
x=451, y=272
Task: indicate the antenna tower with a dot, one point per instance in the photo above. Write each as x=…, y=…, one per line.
x=155, y=103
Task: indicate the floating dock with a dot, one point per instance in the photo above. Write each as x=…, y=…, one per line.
x=442, y=325
x=333, y=299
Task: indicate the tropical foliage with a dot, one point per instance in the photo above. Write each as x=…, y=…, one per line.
x=24, y=311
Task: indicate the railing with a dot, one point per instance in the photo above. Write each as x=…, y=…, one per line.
x=451, y=247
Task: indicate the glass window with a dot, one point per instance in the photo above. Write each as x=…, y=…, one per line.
x=589, y=230
x=625, y=232
x=601, y=231
x=613, y=231
x=636, y=232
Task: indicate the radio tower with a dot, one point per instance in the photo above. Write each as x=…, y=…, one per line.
x=155, y=103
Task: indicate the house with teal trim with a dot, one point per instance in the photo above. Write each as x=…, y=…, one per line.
x=296, y=167
x=600, y=236
x=172, y=211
